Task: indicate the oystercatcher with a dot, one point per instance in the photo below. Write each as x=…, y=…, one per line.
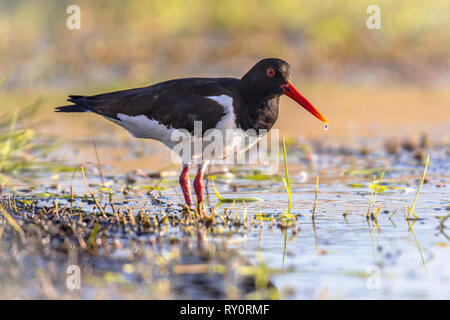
x=156, y=111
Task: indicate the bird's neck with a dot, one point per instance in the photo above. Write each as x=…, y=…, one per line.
x=258, y=112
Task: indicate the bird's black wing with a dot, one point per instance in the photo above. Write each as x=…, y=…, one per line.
x=176, y=103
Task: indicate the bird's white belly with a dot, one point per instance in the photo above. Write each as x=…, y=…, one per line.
x=218, y=143
x=143, y=127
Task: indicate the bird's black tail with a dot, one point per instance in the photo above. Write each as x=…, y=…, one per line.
x=77, y=106
x=71, y=108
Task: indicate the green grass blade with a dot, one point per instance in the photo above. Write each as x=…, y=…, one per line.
x=411, y=209
x=230, y=200
x=315, y=198
x=286, y=180
x=215, y=190
x=11, y=221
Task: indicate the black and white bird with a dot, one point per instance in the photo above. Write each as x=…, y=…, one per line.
x=156, y=111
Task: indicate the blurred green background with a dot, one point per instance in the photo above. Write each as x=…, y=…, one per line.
x=140, y=41
x=389, y=81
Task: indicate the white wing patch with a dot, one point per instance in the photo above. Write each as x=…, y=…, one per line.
x=228, y=121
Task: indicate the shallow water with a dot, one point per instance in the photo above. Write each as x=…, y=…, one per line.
x=352, y=258
x=341, y=255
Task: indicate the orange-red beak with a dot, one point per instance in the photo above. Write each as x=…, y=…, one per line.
x=293, y=93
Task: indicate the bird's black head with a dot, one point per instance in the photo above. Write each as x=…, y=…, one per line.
x=269, y=79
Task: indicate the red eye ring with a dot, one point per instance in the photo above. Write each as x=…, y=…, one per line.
x=270, y=72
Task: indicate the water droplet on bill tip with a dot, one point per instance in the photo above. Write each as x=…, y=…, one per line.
x=325, y=127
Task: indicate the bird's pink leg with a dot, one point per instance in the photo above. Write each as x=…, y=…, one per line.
x=186, y=184
x=198, y=182
x=198, y=185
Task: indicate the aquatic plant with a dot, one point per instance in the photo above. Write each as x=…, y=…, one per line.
x=411, y=209
x=11, y=220
x=376, y=188
x=94, y=198
x=230, y=200
x=286, y=180
x=20, y=150
x=315, y=198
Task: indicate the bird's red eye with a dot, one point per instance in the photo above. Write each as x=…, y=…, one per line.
x=270, y=72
